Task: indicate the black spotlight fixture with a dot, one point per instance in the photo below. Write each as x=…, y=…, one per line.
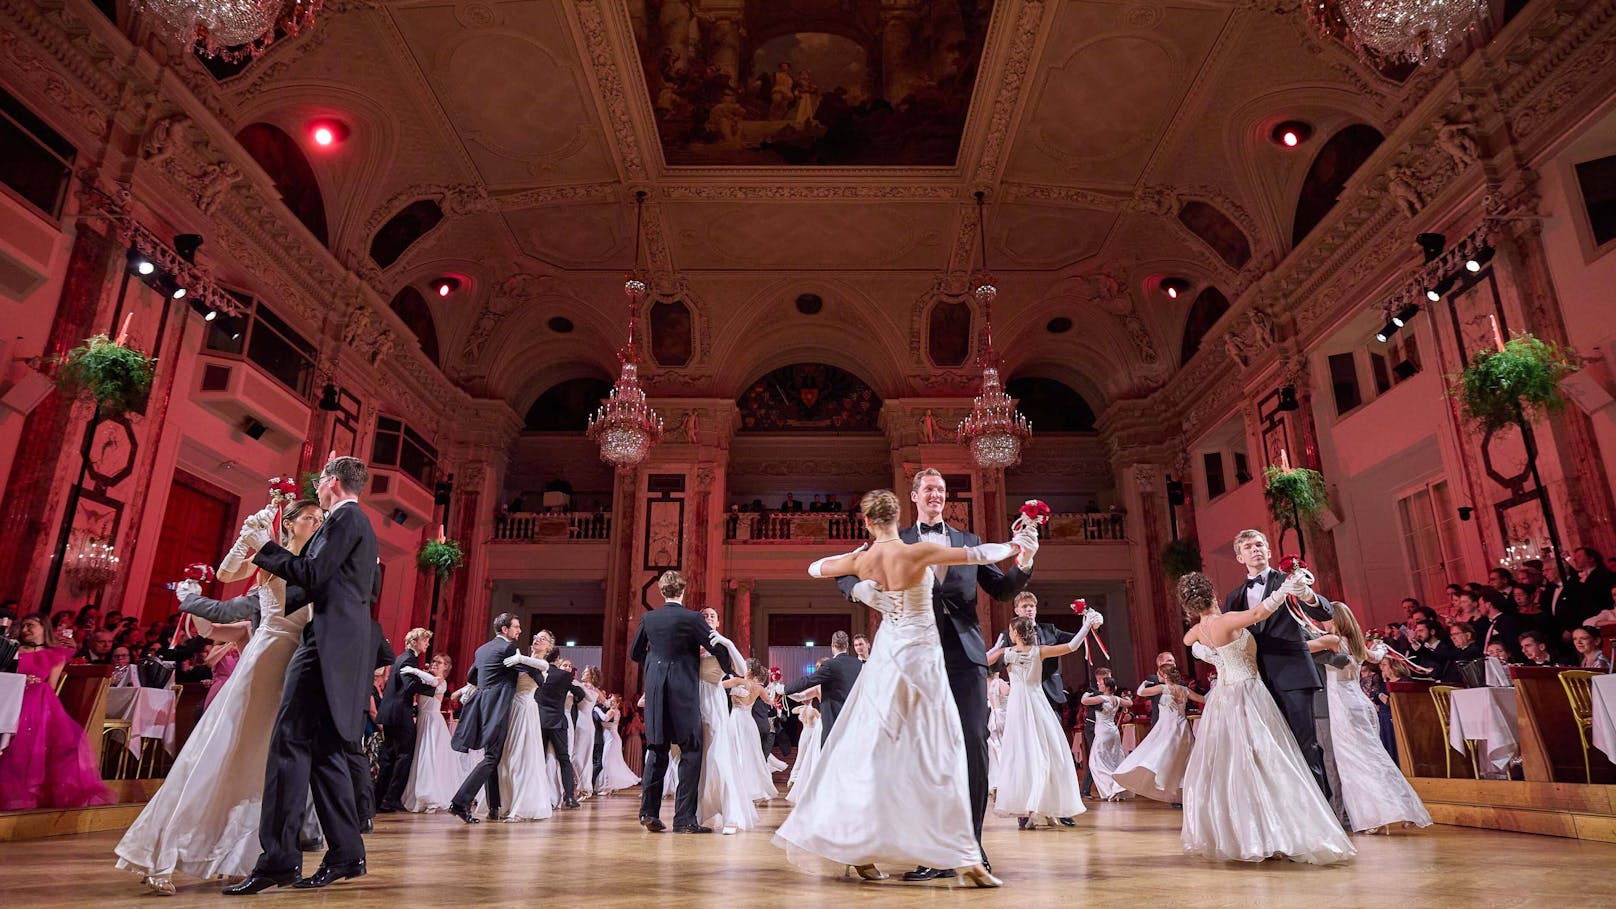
x=1404, y=369
x=328, y=397
x=1440, y=290
x=399, y=517
x=254, y=429
x=1174, y=287
x=187, y=245
x=1481, y=257
x=1386, y=332
x=1175, y=493
x=1432, y=245
x=1287, y=399
x=140, y=265
x=1405, y=315
x=1465, y=511
x=168, y=287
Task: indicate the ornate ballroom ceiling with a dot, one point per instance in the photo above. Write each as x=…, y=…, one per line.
x=1089, y=124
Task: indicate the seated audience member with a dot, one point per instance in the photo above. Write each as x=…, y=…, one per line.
x=97, y=648
x=1589, y=655
x=1462, y=639
x=1497, y=651
x=1430, y=652
x=1535, y=646
x=1499, y=625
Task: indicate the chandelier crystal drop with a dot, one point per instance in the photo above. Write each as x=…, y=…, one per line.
x=95, y=565
x=994, y=430
x=1401, y=30
x=624, y=426
x=233, y=30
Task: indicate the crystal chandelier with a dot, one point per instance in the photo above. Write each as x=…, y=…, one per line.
x=1399, y=30
x=994, y=430
x=233, y=30
x=95, y=566
x=624, y=425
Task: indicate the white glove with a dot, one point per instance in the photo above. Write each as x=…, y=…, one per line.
x=1294, y=586
x=1027, y=539
x=988, y=553
x=1092, y=619
x=867, y=592
x=464, y=693
x=186, y=589
x=815, y=570
x=525, y=660
x=421, y=674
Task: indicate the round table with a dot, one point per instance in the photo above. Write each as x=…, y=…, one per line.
x=150, y=712
x=1488, y=717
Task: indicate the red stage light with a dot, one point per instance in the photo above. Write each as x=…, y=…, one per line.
x=1291, y=133
x=1290, y=138
x=1172, y=293
x=446, y=285
x=443, y=289
x=328, y=133
x=324, y=136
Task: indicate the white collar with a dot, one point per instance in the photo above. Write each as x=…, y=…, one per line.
x=333, y=509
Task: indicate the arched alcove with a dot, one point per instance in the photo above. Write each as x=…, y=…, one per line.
x=417, y=316
x=567, y=406
x=403, y=229
x=1336, y=162
x=281, y=158
x=1051, y=405
x=1208, y=308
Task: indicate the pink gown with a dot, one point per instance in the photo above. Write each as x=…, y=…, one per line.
x=221, y=672
x=49, y=763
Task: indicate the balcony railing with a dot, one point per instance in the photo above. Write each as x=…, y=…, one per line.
x=777, y=527
x=553, y=527
x=1083, y=527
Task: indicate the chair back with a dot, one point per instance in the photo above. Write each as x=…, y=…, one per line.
x=83, y=692
x=1442, y=696
x=1579, y=689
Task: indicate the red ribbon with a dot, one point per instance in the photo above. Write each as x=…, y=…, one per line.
x=1080, y=606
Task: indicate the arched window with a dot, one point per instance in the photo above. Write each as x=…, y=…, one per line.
x=413, y=309
x=1205, y=312
x=280, y=157
x=567, y=406
x=410, y=224
x=809, y=396
x=1051, y=405
x=1337, y=161
x=1217, y=231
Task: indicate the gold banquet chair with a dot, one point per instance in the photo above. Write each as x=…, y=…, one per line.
x=1579, y=690
x=1442, y=697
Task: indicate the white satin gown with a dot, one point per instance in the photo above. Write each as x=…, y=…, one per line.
x=716, y=769
x=1373, y=788
x=890, y=784
x=1155, y=768
x=808, y=747
x=615, y=773
x=583, y=744
x=437, y=770
x=1106, y=753
x=1248, y=794
x=998, y=702
x=203, y=820
x=747, y=775
x=524, y=781
x=1036, y=775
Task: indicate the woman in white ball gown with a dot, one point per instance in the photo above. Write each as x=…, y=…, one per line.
x=807, y=743
x=524, y=780
x=890, y=784
x=615, y=773
x=998, y=703
x=437, y=770
x=1036, y=775
x=583, y=733
x=203, y=820
x=1155, y=768
x=749, y=778
x=716, y=771
x=1105, y=752
x=1373, y=789
x=1248, y=794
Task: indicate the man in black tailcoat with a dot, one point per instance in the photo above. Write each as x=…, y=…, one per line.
x=485, y=718
x=835, y=678
x=396, y=716
x=556, y=684
x=668, y=645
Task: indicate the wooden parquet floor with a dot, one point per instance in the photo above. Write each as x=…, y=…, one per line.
x=1120, y=854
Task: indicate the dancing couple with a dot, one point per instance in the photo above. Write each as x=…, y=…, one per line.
x=905, y=767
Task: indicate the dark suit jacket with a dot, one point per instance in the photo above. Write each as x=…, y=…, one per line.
x=668, y=645
x=1282, y=655
x=552, y=696
x=336, y=572
x=397, y=708
x=1506, y=629
x=483, y=719
x=953, y=599
x=1583, y=599
x=835, y=680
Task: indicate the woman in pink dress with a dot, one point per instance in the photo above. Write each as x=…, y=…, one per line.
x=49, y=763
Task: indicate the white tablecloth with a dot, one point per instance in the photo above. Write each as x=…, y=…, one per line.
x=11, y=686
x=1604, y=703
x=1488, y=717
x=150, y=712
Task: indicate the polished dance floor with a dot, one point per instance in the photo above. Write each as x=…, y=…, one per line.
x=1120, y=854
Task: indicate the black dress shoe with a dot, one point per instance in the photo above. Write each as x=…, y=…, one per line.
x=258, y=883
x=653, y=824
x=464, y=814
x=330, y=874
x=388, y=809
x=927, y=874
x=367, y=826
x=691, y=828
x=571, y=803
x=1064, y=822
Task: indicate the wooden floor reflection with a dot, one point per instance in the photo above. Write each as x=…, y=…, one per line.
x=1122, y=854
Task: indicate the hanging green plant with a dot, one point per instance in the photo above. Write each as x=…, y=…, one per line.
x=311, y=483
x=1294, y=495
x=117, y=378
x=1181, y=557
x=1500, y=388
x=441, y=556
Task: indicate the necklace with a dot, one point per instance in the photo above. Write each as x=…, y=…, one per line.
x=887, y=540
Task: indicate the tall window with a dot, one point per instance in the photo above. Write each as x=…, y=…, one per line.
x=38, y=161
x=399, y=446
x=263, y=338
x=1394, y=362
x=1430, y=539
x=1344, y=382
x=1212, y=464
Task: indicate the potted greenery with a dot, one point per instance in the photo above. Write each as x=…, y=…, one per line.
x=441, y=556
x=1180, y=557
x=115, y=377
x=1295, y=495
x=1511, y=385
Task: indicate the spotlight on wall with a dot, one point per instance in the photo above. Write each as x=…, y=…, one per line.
x=254, y=429
x=139, y=264
x=1405, y=315
x=1175, y=493
x=1287, y=399
x=445, y=286
x=1173, y=287
x=1432, y=245
x=1385, y=333
x=1481, y=257
x=328, y=397
x=328, y=133
x=1435, y=294
x=399, y=517
x=177, y=294
x=212, y=314
x=1465, y=511
x=1291, y=133
x=168, y=287
x=187, y=245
